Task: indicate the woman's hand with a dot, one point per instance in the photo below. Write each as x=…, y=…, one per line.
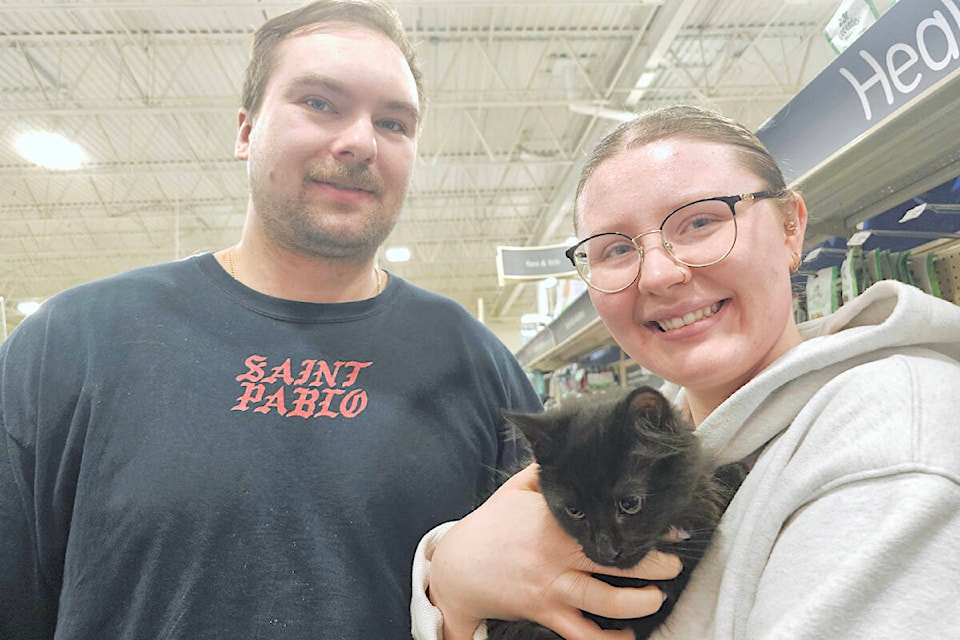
x=510, y=560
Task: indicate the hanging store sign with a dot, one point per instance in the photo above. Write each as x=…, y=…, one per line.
x=848, y=23
x=912, y=47
x=533, y=263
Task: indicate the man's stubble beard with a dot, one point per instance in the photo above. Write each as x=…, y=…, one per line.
x=304, y=228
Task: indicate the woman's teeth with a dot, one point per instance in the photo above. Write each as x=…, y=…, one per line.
x=689, y=318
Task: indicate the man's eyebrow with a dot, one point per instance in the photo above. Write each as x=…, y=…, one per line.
x=309, y=81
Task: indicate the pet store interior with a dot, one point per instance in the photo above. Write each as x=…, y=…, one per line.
x=857, y=100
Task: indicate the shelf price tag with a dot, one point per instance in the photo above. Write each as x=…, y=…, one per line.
x=857, y=239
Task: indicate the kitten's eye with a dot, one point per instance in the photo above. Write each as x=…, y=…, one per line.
x=630, y=505
x=573, y=512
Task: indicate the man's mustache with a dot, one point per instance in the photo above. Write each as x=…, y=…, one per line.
x=353, y=177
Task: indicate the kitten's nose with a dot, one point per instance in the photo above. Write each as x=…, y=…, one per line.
x=607, y=550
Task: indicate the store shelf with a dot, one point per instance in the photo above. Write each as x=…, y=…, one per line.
x=594, y=336
x=907, y=154
x=576, y=332
x=879, y=125
x=849, y=165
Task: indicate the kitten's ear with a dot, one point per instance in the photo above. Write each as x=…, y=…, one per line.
x=648, y=401
x=654, y=408
x=535, y=427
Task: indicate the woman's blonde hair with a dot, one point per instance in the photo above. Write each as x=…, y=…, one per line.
x=690, y=122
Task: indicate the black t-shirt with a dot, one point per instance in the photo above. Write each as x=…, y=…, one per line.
x=182, y=457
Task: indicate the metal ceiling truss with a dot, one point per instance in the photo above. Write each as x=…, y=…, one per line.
x=518, y=91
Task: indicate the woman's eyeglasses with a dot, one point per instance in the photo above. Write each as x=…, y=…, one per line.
x=698, y=234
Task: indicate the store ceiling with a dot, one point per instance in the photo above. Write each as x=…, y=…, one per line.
x=518, y=91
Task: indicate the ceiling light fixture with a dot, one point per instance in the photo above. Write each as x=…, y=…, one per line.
x=50, y=150
x=397, y=254
x=28, y=306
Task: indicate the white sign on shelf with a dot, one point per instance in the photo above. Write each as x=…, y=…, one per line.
x=857, y=239
x=913, y=212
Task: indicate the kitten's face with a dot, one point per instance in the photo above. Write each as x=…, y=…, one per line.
x=604, y=471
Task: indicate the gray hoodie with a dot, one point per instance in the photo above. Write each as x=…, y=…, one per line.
x=848, y=524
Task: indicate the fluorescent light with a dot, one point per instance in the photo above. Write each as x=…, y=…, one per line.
x=646, y=79
x=28, y=307
x=398, y=254
x=601, y=112
x=50, y=150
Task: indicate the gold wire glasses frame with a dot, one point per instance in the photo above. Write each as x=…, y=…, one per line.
x=698, y=234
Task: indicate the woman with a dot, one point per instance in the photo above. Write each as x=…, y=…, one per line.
x=847, y=523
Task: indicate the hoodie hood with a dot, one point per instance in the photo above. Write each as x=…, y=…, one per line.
x=888, y=316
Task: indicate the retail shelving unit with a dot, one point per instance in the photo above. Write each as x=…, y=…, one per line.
x=878, y=127
x=575, y=332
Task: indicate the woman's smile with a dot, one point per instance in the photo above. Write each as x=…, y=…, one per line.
x=688, y=318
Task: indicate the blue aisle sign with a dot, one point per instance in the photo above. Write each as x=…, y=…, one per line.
x=912, y=47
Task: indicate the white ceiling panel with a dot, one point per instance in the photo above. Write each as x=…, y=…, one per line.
x=518, y=91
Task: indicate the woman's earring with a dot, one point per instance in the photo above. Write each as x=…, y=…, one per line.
x=792, y=227
x=796, y=263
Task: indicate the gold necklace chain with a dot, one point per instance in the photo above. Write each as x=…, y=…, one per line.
x=231, y=267
x=232, y=270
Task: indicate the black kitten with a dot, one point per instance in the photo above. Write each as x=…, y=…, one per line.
x=624, y=474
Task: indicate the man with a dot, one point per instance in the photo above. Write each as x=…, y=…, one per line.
x=249, y=444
